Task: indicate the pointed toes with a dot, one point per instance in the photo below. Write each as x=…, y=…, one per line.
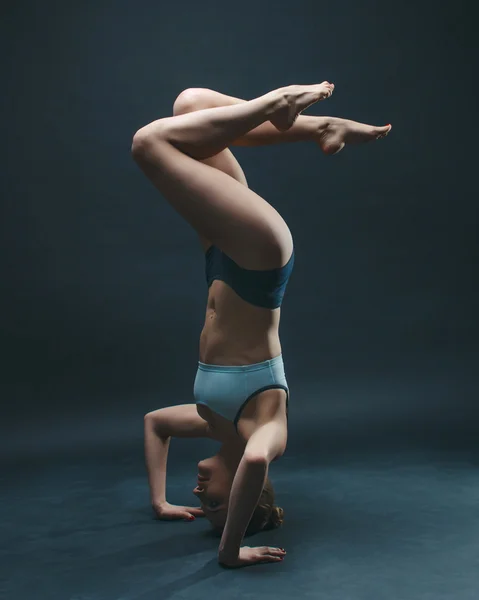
x=381, y=132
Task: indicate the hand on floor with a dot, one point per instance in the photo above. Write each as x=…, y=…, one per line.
x=251, y=556
x=169, y=512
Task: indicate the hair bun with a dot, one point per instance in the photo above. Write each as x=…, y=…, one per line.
x=277, y=516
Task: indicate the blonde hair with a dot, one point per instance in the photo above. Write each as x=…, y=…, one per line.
x=266, y=515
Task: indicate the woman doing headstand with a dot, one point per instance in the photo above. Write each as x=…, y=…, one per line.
x=241, y=394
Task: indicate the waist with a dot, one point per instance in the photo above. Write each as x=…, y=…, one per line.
x=229, y=346
x=236, y=333
x=274, y=362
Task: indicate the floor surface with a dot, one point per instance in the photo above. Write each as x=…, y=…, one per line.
x=403, y=526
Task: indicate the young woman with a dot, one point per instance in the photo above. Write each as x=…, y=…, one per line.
x=240, y=389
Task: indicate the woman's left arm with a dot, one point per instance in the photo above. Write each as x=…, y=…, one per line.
x=245, y=494
x=266, y=444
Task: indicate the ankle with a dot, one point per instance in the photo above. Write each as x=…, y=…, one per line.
x=323, y=124
x=308, y=127
x=275, y=100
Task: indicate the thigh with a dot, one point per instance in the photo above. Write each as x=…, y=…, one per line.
x=219, y=207
x=193, y=99
x=224, y=161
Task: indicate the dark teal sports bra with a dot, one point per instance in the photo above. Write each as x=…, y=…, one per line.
x=260, y=288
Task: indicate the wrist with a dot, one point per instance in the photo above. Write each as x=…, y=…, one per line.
x=228, y=550
x=158, y=501
x=227, y=557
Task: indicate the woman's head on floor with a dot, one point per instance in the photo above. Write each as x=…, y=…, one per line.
x=215, y=478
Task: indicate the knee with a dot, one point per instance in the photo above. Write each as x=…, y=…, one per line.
x=142, y=140
x=192, y=99
x=138, y=143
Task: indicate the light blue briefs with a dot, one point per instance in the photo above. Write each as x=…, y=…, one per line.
x=227, y=389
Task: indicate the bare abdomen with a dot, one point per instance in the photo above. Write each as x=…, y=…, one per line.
x=236, y=332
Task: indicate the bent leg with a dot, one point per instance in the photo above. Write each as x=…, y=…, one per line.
x=218, y=207
x=191, y=102
x=194, y=99
x=330, y=133
x=224, y=161
x=305, y=127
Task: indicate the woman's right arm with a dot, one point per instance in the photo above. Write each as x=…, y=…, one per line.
x=156, y=456
x=160, y=426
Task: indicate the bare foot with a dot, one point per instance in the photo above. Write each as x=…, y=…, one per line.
x=293, y=99
x=336, y=133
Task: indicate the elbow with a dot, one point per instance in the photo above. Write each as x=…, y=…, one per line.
x=263, y=458
x=154, y=424
x=256, y=458
x=151, y=421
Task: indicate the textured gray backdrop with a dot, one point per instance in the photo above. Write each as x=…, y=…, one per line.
x=103, y=290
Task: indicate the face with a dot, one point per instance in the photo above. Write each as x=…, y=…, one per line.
x=215, y=477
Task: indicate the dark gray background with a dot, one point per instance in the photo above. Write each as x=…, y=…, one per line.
x=103, y=289
x=103, y=297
